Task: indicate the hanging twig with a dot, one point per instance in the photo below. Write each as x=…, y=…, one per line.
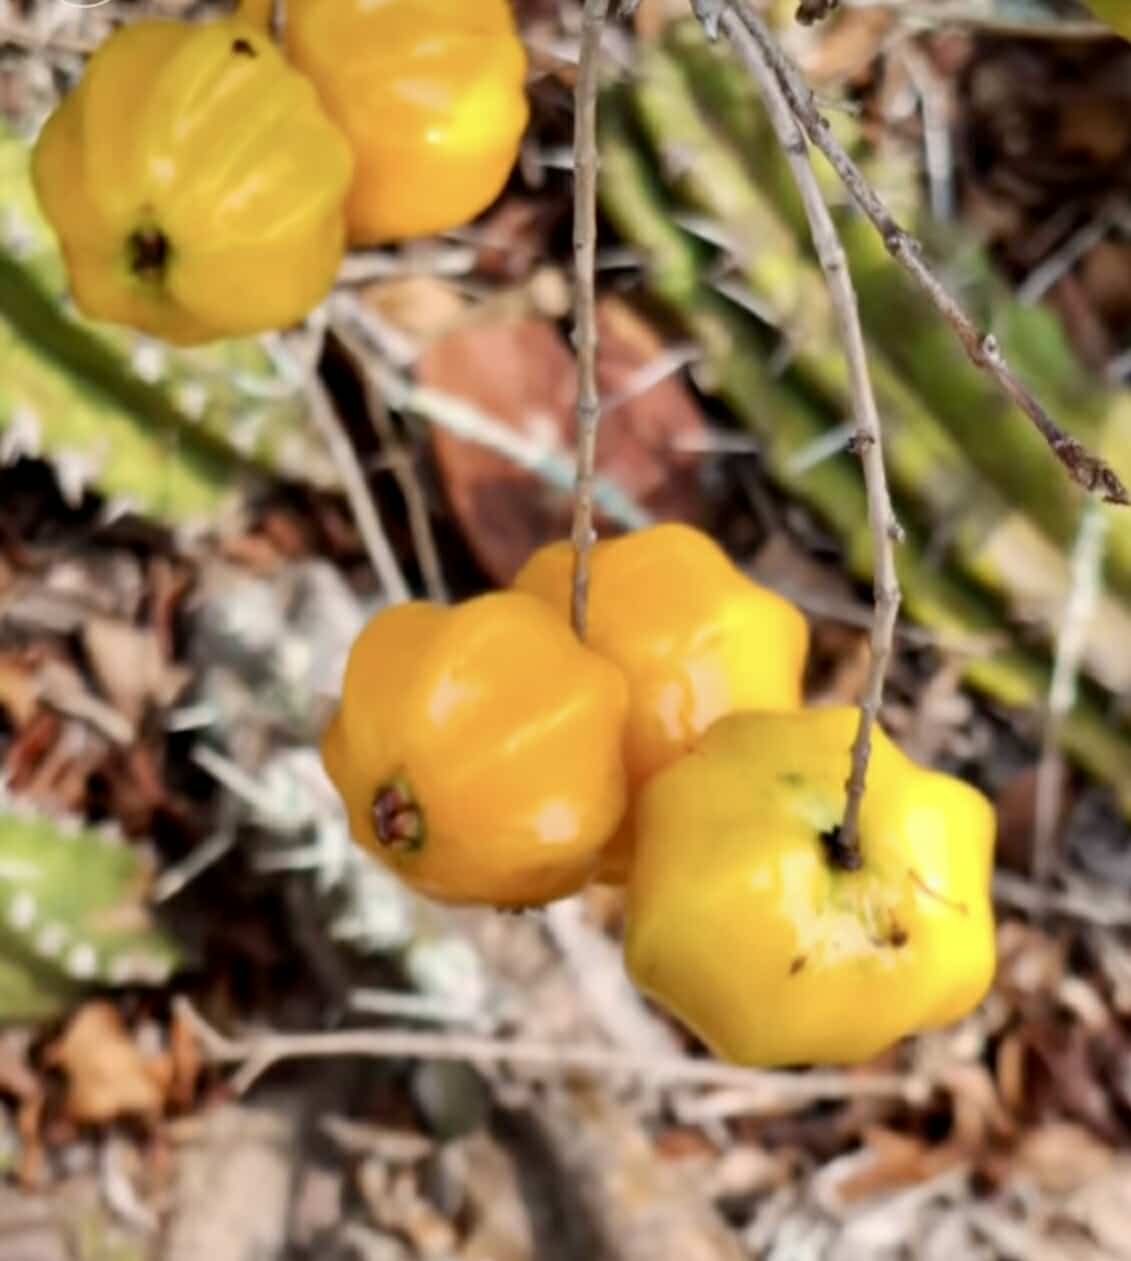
x=867, y=438
x=1087, y=470
x=585, y=297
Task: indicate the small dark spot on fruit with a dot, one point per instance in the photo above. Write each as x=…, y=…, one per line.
x=791, y=779
x=898, y=936
x=243, y=48
x=148, y=250
x=798, y=964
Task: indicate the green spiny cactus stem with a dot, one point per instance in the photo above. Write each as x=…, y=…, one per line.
x=72, y=913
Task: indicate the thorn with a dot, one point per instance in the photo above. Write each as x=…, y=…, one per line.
x=51, y=940
x=82, y=962
x=23, y=435
x=74, y=470
x=709, y=13
x=22, y=910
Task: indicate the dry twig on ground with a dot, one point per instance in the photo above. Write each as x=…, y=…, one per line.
x=256, y=1054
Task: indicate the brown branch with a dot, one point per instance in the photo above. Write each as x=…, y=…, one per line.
x=868, y=438
x=585, y=297
x=1086, y=469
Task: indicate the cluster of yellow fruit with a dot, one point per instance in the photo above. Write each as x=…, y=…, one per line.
x=204, y=183
x=489, y=756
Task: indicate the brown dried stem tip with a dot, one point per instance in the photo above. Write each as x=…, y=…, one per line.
x=397, y=820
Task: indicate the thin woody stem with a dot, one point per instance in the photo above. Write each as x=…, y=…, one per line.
x=1086, y=469
x=585, y=299
x=868, y=437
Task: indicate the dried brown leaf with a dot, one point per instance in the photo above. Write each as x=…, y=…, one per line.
x=16, y=1076
x=521, y=372
x=1070, y=1078
x=1010, y=1071
x=30, y=747
x=653, y=16
x=19, y=689
x=1031, y=964
x=514, y=238
x=979, y=1114
x=1016, y=806
x=186, y=1061
x=396, y=1203
x=500, y=1223
x=130, y=665
x=423, y=307
x=107, y=1076
x=896, y=1161
x=1106, y=275
x=849, y=47
x=1060, y=1156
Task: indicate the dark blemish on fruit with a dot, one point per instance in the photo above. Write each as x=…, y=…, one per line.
x=242, y=48
x=798, y=964
x=149, y=251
